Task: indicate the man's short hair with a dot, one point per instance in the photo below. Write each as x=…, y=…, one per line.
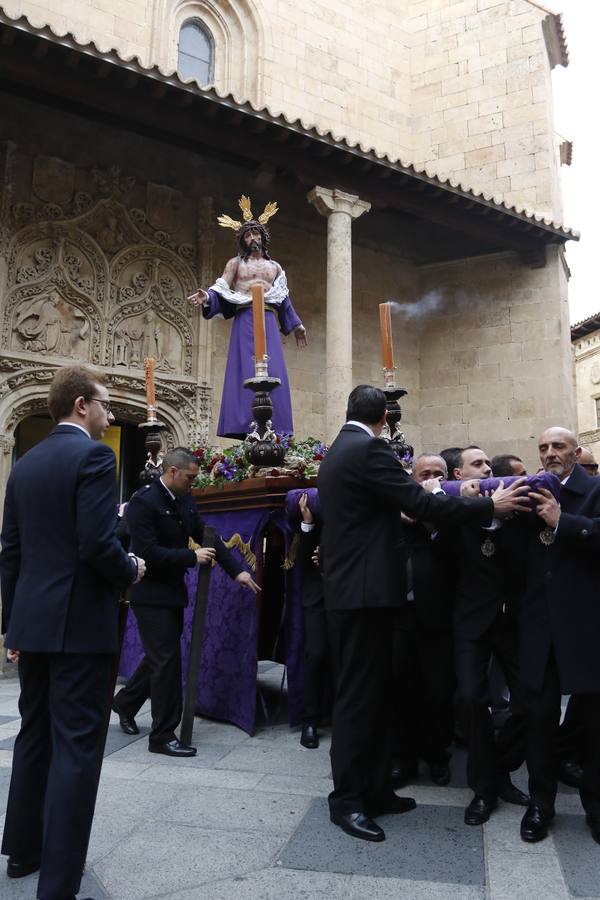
x=366, y=404
x=68, y=384
x=179, y=458
x=501, y=464
x=431, y=456
x=452, y=456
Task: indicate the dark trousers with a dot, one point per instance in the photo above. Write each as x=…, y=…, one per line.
x=424, y=683
x=361, y=648
x=56, y=765
x=543, y=709
x=158, y=676
x=490, y=760
x=317, y=676
x=571, y=734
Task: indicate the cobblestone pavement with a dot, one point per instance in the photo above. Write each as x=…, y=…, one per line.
x=247, y=820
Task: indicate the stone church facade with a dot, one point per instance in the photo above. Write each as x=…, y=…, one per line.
x=107, y=225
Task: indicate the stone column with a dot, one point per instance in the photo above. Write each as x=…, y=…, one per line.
x=340, y=209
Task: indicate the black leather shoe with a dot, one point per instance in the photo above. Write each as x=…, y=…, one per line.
x=310, y=736
x=534, y=824
x=479, y=810
x=172, y=748
x=127, y=723
x=19, y=868
x=440, y=773
x=570, y=772
x=392, y=806
x=511, y=794
x=359, y=825
x=403, y=773
x=593, y=823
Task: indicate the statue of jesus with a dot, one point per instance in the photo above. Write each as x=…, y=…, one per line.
x=231, y=297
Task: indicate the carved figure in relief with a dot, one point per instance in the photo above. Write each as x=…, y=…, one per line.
x=144, y=338
x=122, y=346
x=51, y=325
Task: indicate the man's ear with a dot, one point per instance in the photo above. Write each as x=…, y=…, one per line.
x=578, y=452
x=79, y=406
x=457, y=474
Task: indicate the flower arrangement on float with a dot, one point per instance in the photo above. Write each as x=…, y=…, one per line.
x=218, y=467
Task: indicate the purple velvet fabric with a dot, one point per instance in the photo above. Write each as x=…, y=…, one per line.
x=292, y=499
x=236, y=402
x=227, y=678
x=540, y=480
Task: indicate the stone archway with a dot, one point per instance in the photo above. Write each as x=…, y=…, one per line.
x=183, y=407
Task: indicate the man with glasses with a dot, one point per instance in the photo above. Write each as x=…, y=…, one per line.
x=62, y=568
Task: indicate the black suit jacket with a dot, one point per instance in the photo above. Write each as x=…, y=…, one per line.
x=362, y=490
x=61, y=565
x=312, y=580
x=433, y=563
x=561, y=608
x=486, y=584
x=160, y=530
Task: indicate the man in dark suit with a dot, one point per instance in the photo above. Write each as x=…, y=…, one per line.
x=424, y=647
x=162, y=517
x=61, y=568
x=362, y=490
x=316, y=646
x=485, y=626
x=560, y=630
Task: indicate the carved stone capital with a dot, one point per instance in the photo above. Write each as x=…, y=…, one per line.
x=327, y=201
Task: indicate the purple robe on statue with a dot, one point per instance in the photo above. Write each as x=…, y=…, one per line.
x=236, y=402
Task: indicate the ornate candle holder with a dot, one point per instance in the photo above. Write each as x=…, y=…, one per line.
x=263, y=449
x=392, y=432
x=153, y=445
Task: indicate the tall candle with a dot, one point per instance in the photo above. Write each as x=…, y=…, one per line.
x=149, y=364
x=258, y=319
x=385, y=326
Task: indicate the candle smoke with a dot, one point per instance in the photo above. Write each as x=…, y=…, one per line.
x=419, y=310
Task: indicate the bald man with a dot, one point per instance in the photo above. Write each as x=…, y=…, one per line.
x=587, y=462
x=560, y=629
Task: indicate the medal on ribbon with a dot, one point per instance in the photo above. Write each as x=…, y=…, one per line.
x=547, y=536
x=488, y=548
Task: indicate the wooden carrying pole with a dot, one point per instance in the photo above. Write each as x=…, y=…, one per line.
x=191, y=681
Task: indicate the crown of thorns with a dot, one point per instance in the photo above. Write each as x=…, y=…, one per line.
x=244, y=204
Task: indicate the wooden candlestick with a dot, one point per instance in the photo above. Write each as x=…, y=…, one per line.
x=385, y=326
x=149, y=364
x=258, y=320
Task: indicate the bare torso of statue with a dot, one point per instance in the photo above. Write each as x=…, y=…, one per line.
x=251, y=266
x=240, y=274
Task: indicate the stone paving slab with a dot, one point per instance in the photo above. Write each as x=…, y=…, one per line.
x=455, y=856
x=137, y=751
x=273, y=759
x=237, y=810
x=117, y=739
x=578, y=854
x=523, y=876
x=192, y=775
x=26, y=888
x=161, y=861
x=5, y=719
x=285, y=884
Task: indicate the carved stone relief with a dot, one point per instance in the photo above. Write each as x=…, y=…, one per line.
x=50, y=324
x=53, y=179
x=96, y=267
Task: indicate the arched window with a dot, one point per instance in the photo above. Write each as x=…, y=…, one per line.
x=196, y=52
